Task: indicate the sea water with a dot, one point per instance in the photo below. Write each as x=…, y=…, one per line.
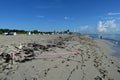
x=112, y=39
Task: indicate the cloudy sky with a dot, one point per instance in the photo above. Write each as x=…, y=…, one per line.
x=86, y=16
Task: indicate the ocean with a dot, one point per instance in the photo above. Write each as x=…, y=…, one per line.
x=112, y=39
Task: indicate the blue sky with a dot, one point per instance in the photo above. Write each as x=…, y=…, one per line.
x=86, y=16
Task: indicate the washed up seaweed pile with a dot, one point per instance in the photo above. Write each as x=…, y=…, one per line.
x=26, y=52
x=11, y=56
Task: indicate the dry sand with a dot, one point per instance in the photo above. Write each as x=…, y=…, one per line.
x=79, y=58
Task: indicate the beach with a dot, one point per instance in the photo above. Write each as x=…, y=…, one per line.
x=58, y=57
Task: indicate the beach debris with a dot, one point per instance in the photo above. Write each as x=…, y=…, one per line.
x=8, y=58
x=97, y=78
x=28, y=54
x=52, y=45
x=11, y=55
x=118, y=71
x=20, y=46
x=60, y=44
x=36, y=46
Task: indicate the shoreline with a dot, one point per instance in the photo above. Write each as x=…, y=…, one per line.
x=114, y=47
x=113, y=44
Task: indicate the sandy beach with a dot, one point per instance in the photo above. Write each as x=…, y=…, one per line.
x=58, y=57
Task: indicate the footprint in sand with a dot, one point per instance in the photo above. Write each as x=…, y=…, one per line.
x=34, y=78
x=70, y=74
x=103, y=72
x=55, y=66
x=52, y=60
x=77, y=67
x=33, y=66
x=67, y=65
x=68, y=59
x=89, y=57
x=63, y=61
x=46, y=72
x=112, y=62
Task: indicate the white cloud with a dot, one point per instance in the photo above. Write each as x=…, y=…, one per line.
x=110, y=23
x=108, y=18
x=101, y=27
x=84, y=27
x=66, y=18
x=40, y=16
x=107, y=26
x=111, y=13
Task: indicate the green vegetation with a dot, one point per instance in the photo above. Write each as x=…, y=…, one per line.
x=32, y=32
x=12, y=30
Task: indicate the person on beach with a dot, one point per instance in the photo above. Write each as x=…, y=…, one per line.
x=100, y=37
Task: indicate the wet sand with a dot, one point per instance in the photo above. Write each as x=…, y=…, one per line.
x=114, y=47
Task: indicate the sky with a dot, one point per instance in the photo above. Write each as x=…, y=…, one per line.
x=85, y=16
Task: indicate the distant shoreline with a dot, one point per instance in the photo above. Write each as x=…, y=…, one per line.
x=114, y=47
x=113, y=43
